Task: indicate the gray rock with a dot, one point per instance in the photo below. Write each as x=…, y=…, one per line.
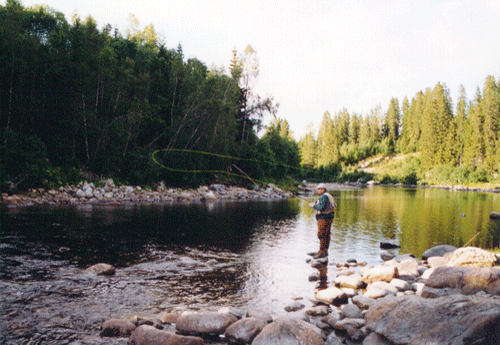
x=362, y=301
x=239, y=313
x=346, y=324
x=319, y=310
x=290, y=331
x=438, y=251
x=148, y=335
x=331, y=319
x=451, y=320
x=466, y=280
x=472, y=257
x=117, y=328
x=206, y=323
x=245, y=330
x=376, y=339
x=295, y=306
x=259, y=314
x=333, y=339
x=351, y=311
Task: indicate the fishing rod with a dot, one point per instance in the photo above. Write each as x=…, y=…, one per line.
x=228, y=172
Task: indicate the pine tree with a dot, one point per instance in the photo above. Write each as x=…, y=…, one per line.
x=327, y=146
x=491, y=129
x=308, y=149
x=460, y=121
x=474, y=144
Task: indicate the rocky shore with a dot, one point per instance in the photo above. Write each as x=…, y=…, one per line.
x=110, y=194
x=451, y=296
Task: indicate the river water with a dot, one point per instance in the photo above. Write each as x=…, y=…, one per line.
x=206, y=255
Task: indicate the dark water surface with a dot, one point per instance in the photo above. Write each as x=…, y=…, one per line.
x=205, y=255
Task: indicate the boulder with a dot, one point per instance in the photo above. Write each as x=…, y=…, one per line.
x=408, y=268
x=389, y=244
x=437, y=261
x=169, y=318
x=438, y=251
x=333, y=339
x=117, y=328
x=102, y=269
x=362, y=301
x=332, y=295
x=495, y=215
x=204, y=323
x=452, y=320
x=472, y=257
x=290, y=331
x=259, y=314
x=380, y=273
x=376, y=339
x=466, y=280
x=245, y=330
x=148, y=335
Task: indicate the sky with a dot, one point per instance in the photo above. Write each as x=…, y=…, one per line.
x=324, y=55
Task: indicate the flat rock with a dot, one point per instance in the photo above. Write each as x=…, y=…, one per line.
x=451, y=320
x=353, y=281
x=332, y=295
x=380, y=273
x=290, y=331
x=204, y=323
x=149, y=335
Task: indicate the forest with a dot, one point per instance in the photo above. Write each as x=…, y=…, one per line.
x=78, y=102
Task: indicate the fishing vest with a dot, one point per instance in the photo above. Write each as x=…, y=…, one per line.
x=330, y=207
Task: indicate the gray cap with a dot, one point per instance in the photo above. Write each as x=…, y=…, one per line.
x=321, y=186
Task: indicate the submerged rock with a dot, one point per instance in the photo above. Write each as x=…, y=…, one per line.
x=204, y=323
x=290, y=331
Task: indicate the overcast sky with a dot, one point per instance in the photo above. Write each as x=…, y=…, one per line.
x=324, y=55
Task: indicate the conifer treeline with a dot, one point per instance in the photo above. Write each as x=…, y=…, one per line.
x=468, y=137
x=75, y=98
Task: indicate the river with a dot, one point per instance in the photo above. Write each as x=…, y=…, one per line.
x=206, y=255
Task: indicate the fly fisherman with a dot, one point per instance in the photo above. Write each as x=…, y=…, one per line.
x=325, y=208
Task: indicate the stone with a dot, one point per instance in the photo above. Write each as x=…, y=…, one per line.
x=466, y=280
x=346, y=324
x=380, y=273
x=408, y=268
x=259, y=314
x=377, y=292
x=332, y=295
x=169, y=318
x=454, y=319
x=149, y=335
x=376, y=339
x=333, y=339
x=351, y=311
x=290, y=331
x=472, y=257
x=295, y=306
x=245, y=330
x=319, y=310
x=331, y=319
x=206, y=323
x=102, y=269
x=388, y=244
x=437, y=261
x=239, y=313
x=353, y=281
x=494, y=215
x=117, y=328
x=440, y=250
x=400, y=284
x=362, y=301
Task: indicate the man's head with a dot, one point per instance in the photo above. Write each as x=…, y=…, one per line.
x=321, y=188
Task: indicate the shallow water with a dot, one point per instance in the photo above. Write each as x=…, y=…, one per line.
x=205, y=255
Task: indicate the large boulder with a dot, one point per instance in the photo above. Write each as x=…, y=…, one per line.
x=465, y=280
x=244, y=330
x=204, y=323
x=438, y=251
x=472, y=257
x=290, y=331
x=149, y=335
x=451, y=320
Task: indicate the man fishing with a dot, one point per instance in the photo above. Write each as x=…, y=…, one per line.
x=325, y=208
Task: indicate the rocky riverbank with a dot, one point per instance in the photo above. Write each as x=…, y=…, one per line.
x=110, y=194
x=451, y=296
